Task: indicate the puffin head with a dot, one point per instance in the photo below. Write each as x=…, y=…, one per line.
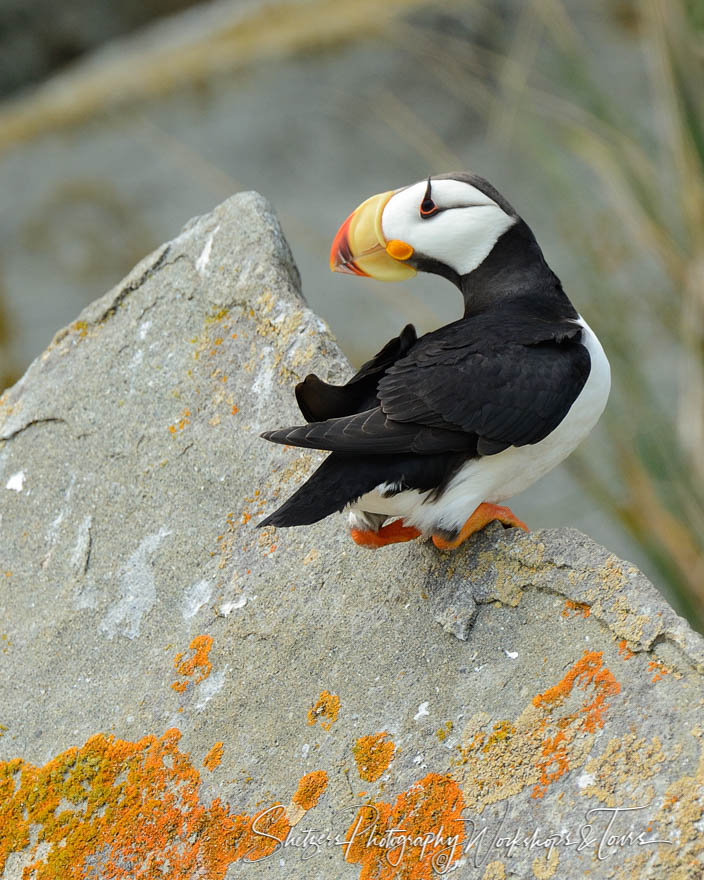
x=447, y=224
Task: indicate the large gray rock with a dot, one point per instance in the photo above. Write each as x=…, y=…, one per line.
x=169, y=672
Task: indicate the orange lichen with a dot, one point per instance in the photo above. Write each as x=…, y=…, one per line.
x=576, y=607
x=200, y=661
x=586, y=672
x=235, y=409
x=624, y=650
x=326, y=707
x=181, y=423
x=554, y=762
x=539, y=746
x=373, y=754
x=660, y=670
x=433, y=805
x=127, y=811
x=214, y=757
x=310, y=788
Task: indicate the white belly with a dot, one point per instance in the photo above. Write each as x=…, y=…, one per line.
x=494, y=478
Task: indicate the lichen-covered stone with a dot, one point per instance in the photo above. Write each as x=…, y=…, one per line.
x=181, y=690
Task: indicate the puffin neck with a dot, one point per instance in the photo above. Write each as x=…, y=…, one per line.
x=515, y=272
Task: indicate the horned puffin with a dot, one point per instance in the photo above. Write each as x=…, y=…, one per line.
x=432, y=433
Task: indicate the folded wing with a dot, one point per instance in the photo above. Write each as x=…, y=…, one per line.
x=462, y=388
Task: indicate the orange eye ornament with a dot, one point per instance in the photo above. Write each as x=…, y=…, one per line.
x=428, y=207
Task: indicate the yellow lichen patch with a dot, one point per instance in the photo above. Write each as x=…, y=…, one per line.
x=373, y=754
x=504, y=769
x=433, y=805
x=541, y=745
x=311, y=556
x=80, y=328
x=199, y=660
x=217, y=316
x=214, y=757
x=310, y=788
x=287, y=322
x=545, y=867
x=325, y=709
x=494, y=871
x=226, y=541
x=573, y=608
x=678, y=821
x=127, y=811
x=504, y=730
x=297, y=470
x=503, y=572
x=444, y=731
x=618, y=773
x=611, y=575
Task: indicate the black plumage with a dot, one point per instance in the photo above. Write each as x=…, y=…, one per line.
x=414, y=413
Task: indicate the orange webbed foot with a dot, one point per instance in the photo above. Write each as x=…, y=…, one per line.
x=482, y=516
x=393, y=533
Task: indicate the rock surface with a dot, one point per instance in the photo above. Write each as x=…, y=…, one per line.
x=170, y=673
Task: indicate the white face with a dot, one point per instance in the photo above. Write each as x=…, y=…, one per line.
x=460, y=235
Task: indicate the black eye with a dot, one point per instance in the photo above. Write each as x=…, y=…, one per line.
x=428, y=206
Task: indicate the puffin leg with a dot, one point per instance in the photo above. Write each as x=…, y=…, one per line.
x=482, y=516
x=393, y=533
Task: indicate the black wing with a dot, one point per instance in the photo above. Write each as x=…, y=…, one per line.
x=471, y=386
x=506, y=392
x=318, y=400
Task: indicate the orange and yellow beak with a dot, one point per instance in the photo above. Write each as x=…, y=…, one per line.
x=360, y=247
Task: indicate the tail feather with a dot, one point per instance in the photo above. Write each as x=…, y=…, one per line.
x=334, y=485
x=342, y=479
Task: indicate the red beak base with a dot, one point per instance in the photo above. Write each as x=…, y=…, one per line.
x=341, y=259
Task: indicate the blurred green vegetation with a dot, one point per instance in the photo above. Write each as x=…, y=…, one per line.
x=641, y=262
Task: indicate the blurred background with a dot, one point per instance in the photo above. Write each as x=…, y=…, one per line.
x=121, y=120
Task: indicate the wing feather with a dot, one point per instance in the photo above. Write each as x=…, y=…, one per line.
x=472, y=386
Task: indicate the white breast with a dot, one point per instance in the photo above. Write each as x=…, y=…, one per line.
x=495, y=478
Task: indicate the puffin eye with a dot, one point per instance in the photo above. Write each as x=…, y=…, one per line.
x=428, y=206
